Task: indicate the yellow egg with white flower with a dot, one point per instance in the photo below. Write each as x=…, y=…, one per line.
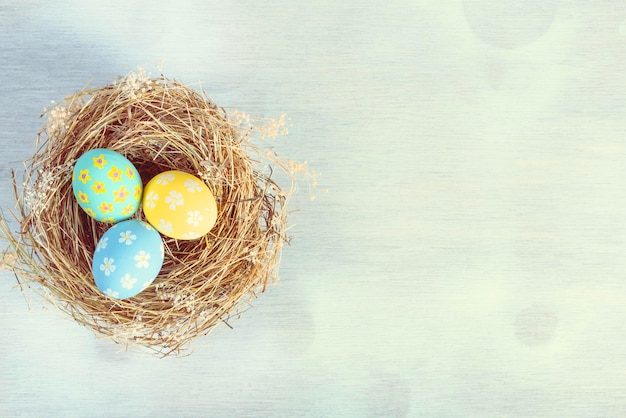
x=179, y=205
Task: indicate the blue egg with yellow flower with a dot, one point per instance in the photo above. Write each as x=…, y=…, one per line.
x=106, y=185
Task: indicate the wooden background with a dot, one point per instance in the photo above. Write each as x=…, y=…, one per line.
x=468, y=258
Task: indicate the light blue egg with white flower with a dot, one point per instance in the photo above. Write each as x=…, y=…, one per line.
x=127, y=259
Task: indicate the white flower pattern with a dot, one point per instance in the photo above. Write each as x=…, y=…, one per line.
x=102, y=244
x=192, y=185
x=146, y=283
x=190, y=235
x=142, y=259
x=194, y=217
x=112, y=293
x=150, y=198
x=127, y=281
x=174, y=199
x=165, y=178
x=108, y=266
x=164, y=226
x=127, y=237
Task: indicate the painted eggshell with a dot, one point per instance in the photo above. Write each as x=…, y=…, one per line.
x=127, y=259
x=179, y=205
x=106, y=185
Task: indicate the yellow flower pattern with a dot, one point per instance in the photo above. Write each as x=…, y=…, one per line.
x=121, y=194
x=128, y=210
x=99, y=161
x=83, y=197
x=115, y=174
x=137, y=192
x=84, y=176
x=105, y=207
x=98, y=187
x=130, y=173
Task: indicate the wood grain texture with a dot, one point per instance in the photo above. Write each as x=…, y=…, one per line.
x=468, y=257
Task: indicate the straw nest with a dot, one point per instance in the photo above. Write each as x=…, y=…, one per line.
x=158, y=124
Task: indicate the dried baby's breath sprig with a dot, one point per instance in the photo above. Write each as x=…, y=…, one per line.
x=159, y=124
x=59, y=115
x=274, y=127
x=135, y=84
x=37, y=195
x=270, y=128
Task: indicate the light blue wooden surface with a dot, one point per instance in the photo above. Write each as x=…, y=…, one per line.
x=468, y=257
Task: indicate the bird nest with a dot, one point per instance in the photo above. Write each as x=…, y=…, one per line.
x=158, y=124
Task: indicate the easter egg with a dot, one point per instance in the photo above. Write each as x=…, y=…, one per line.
x=127, y=259
x=106, y=185
x=179, y=205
